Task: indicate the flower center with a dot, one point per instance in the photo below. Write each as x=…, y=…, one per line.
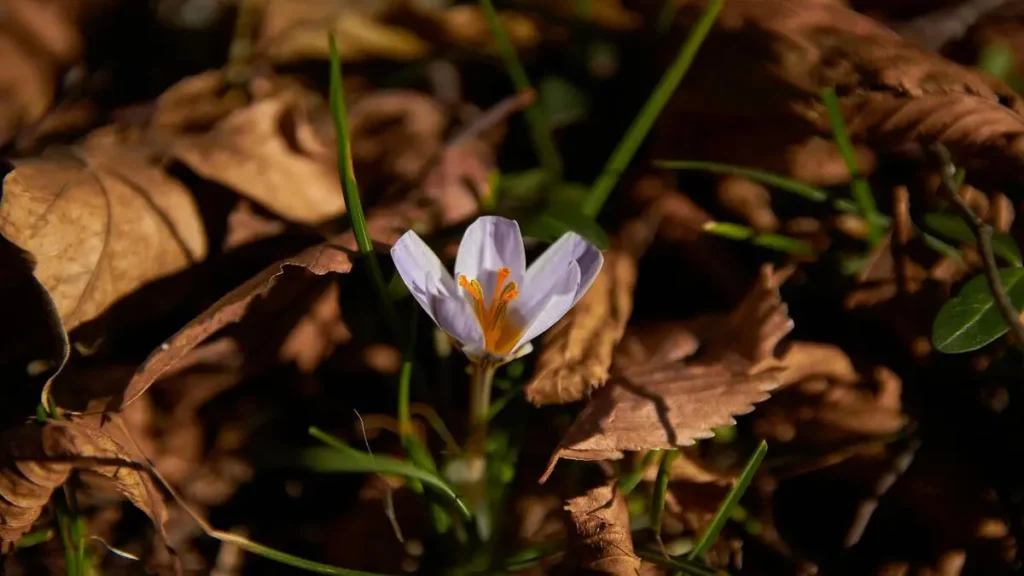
x=500, y=332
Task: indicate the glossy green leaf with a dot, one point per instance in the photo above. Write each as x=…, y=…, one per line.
x=972, y=319
x=953, y=227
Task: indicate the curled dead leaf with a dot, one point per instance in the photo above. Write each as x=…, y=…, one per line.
x=599, y=533
x=41, y=457
x=577, y=354
x=100, y=223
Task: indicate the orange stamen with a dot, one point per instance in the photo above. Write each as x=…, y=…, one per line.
x=499, y=334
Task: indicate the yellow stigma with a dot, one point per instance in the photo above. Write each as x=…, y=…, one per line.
x=500, y=332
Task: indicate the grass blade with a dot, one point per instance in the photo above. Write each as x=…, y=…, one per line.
x=660, y=492
x=629, y=481
x=285, y=558
x=536, y=117
x=711, y=533
x=812, y=193
x=340, y=457
x=777, y=242
x=637, y=131
x=350, y=188
x=859, y=187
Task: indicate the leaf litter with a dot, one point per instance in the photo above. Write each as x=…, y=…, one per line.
x=213, y=200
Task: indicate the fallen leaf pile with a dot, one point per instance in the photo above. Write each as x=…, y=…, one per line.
x=183, y=300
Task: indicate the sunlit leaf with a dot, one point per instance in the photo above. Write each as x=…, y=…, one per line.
x=972, y=319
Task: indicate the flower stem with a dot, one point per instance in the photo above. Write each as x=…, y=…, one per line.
x=475, y=489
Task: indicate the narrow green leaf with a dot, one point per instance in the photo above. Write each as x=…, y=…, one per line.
x=777, y=242
x=350, y=188
x=637, y=131
x=953, y=227
x=536, y=118
x=860, y=188
x=731, y=500
x=340, y=457
x=405, y=381
x=812, y=193
x=286, y=558
x=34, y=538
x=564, y=103
x=660, y=492
x=972, y=319
x=629, y=481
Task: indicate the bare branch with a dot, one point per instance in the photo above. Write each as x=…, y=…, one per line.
x=983, y=232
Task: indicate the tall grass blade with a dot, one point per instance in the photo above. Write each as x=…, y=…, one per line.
x=636, y=133
x=860, y=188
x=731, y=500
x=350, y=188
x=536, y=117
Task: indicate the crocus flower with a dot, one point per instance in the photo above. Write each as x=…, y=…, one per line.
x=494, y=306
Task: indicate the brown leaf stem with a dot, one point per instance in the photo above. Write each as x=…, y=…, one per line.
x=984, y=234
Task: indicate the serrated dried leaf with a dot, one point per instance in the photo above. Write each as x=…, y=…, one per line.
x=657, y=343
x=661, y=407
x=100, y=224
x=599, y=533
x=268, y=152
x=750, y=333
x=40, y=459
x=891, y=91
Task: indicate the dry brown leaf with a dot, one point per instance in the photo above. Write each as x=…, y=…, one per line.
x=100, y=224
x=656, y=343
x=295, y=30
x=749, y=334
x=577, y=354
x=599, y=533
x=661, y=407
x=317, y=333
x=40, y=458
x=465, y=25
x=37, y=39
x=385, y=226
x=268, y=153
x=891, y=91
x=749, y=200
x=805, y=360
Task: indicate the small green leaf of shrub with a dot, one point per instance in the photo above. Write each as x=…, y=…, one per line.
x=972, y=319
x=953, y=227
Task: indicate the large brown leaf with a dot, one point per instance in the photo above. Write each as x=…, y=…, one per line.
x=39, y=458
x=385, y=226
x=665, y=404
x=891, y=91
x=662, y=407
x=577, y=352
x=599, y=534
x=100, y=223
x=269, y=153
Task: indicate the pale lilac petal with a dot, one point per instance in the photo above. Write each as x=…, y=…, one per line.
x=490, y=243
x=559, y=301
x=548, y=270
x=454, y=316
x=434, y=288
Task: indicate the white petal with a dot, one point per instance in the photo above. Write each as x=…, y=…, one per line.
x=549, y=269
x=434, y=288
x=559, y=301
x=490, y=243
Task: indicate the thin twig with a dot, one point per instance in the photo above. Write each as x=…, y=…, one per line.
x=866, y=508
x=984, y=234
